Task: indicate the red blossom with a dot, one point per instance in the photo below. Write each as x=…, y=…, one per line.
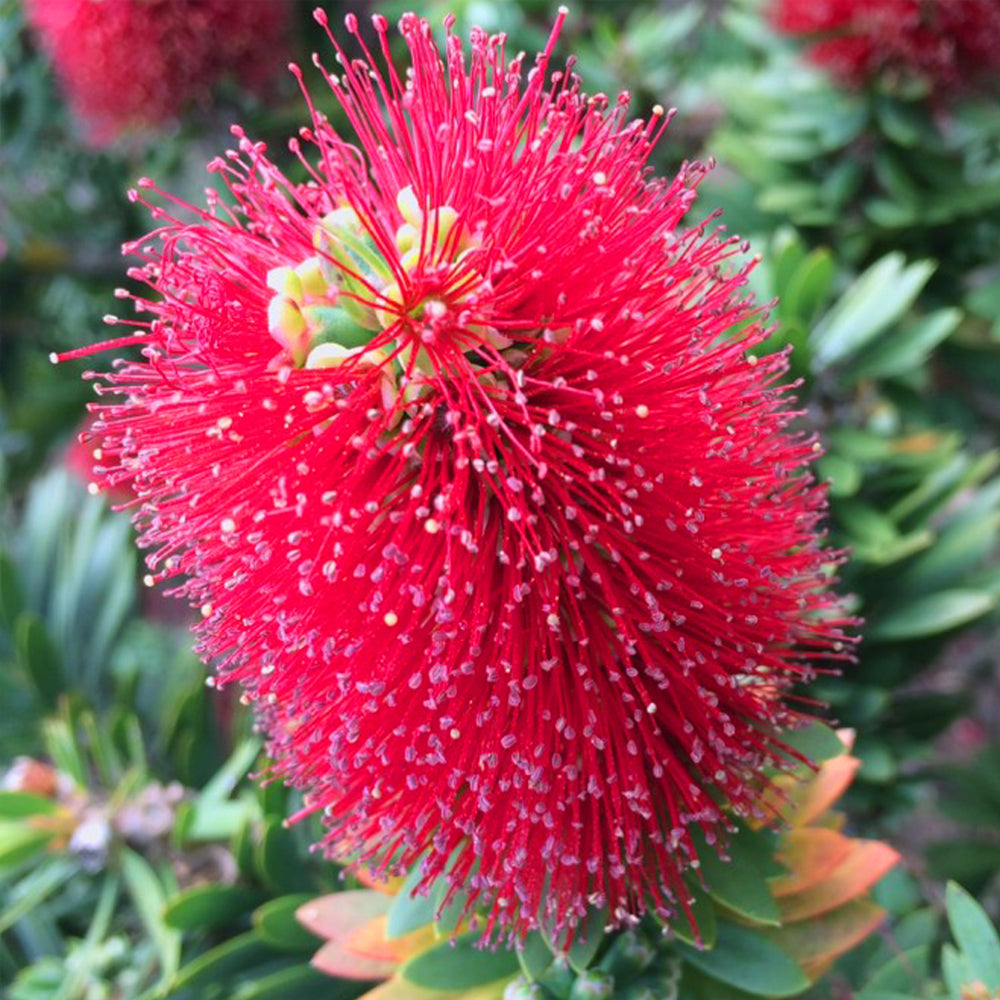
x=952, y=44
x=135, y=63
x=492, y=512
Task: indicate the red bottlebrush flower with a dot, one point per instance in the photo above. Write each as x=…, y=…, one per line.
x=951, y=44
x=137, y=63
x=491, y=510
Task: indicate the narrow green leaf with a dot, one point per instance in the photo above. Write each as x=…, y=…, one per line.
x=149, y=899
x=931, y=615
x=879, y=297
x=298, y=982
x=809, y=287
x=234, y=956
x=39, y=658
x=11, y=594
x=908, y=348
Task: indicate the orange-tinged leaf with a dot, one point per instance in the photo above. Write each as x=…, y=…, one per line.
x=866, y=862
x=816, y=943
x=335, y=959
x=369, y=940
x=810, y=853
x=335, y=916
x=810, y=799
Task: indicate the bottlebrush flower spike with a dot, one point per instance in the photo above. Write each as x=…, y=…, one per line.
x=137, y=63
x=492, y=512
x=951, y=45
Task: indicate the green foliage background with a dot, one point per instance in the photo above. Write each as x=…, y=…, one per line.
x=877, y=219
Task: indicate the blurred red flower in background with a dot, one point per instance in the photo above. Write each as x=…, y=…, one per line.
x=128, y=64
x=493, y=513
x=951, y=44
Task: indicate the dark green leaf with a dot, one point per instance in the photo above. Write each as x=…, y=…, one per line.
x=276, y=924
x=216, y=966
x=39, y=658
x=747, y=960
x=208, y=906
x=459, y=965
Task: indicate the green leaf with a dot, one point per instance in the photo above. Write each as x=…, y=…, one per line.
x=739, y=884
x=225, y=780
x=747, y=960
x=975, y=935
x=209, y=905
x=460, y=965
x=19, y=842
x=903, y=351
x=959, y=548
x=842, y=476
x=955, y=970
x=277, y=924
x=297, y=982
x=587, y=940
x=149, y=900
x=809, y=287
x=39, y=658
x=931, y=615
x=879, y=297
x=277, y=859
x=815, y=741
x=31, y=891
x=236, y=955
x=18, y=805
x=705, y=927
x=534, y=956
x=11, y=594
x=408, y=912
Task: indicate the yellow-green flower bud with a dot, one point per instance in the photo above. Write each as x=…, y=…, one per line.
x=310, y=274
x=409, y=207
x=286, y=282
x=287, y=326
